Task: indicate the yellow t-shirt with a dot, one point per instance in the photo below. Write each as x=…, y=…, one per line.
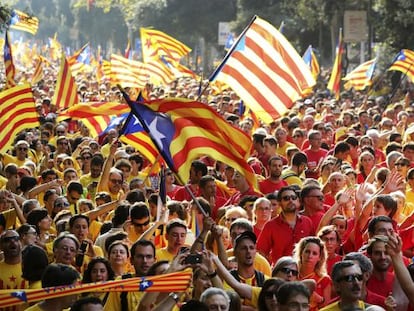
x=260, y=263
x=114, y=300
x=335, y=306
x=282, y=150
x=164, y=254
x=11, y=276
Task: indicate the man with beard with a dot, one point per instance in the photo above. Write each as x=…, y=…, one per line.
x=142, y=258
x=280, y=234
x=347, y=279
x=245, y=254
x=11, y=266
x=382, y=279
x=273, y=182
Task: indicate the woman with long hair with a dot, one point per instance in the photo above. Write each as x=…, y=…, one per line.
x=310, y=254
x=267, y=300
x=366, y=164
x=98, y=270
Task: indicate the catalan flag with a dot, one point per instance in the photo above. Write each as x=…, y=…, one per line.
x=156, y=43
x=310, y=59
x=55, y=48
x=38, y=71
x=128, y=72
x=184, y=130
x=404, y=62
x=361, y=76
x=66, y=93
x=159, y=72
x=80, y=60
x=334, y=84
x=8, y=63
x=180, y=281
x=97, y=124
x=93, y=109
x=21, y=21
x=265, y=70
x=134, y=134
x=17, y=113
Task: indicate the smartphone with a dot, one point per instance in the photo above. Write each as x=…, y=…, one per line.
x=193, y=259
x=80, y=256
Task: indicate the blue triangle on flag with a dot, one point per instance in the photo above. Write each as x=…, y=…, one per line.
x=144, y=285
x=20, y=295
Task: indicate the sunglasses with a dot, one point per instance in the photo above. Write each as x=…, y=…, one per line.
x=289, y=271
x=22, y=149
x=62, y=204
x=116, y=181
x=62, y=143
x=289, y=197
x=351, y=278
x=270, y=294
x=86, y=158
x=141, y=225
x=320, y=197
x=8, y=239
x=400, y=164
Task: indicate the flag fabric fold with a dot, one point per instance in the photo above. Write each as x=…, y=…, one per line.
x=17, y=113
x=66, y=92
x=127, y=72
x=265, y=70
x=8, y=63
x=184, y=130
x=404, y=62
x=361, y=76
x=21, y=21
x=310, y=59
x=334, y=83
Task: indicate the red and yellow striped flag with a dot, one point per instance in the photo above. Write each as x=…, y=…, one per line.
x=17, y=113
x=179, y=281
x=8, y=63
x=38, y=71
x=22, y=21
x=66, y=93
x=127, y=72
x=334, y=84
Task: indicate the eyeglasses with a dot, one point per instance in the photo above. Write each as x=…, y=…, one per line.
x=289, y=197
x=86, y=158
x=141, y=225
x=351, y=278
x=329, y=240
x=296, y=136
x=8, y=239
x=289, y=271
x=63, y=143
x=62, y=204
x=22, y=149
x=270, y=294
x=320, y=197
x=400, y=164
x=116, y=181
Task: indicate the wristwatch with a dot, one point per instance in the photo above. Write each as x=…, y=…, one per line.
x=174, y=296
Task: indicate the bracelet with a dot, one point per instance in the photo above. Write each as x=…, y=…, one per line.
x=212, y=275
x=174, y=296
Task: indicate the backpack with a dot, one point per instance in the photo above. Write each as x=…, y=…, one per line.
x=259, y=276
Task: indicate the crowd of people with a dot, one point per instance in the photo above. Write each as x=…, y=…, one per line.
x=328, y=226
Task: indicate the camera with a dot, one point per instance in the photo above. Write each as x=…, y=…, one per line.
x=193, y=259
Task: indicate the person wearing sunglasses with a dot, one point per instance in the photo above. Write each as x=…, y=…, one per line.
x=347, y=280
x=286, y=268
x=21, y=149
x=280, y=234
x=11, y=266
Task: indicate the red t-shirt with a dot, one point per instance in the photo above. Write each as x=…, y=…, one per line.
x=267, y=186
x=278, y=237
x=313, y=160
x=381, y=287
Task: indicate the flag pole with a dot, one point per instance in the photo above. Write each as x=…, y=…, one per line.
x=230, y=51
x=144, y=125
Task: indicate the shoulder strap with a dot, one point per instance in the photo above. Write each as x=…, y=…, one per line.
x=235, y=275
x=123, y=295
x=288, y=175
x=260, y=279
